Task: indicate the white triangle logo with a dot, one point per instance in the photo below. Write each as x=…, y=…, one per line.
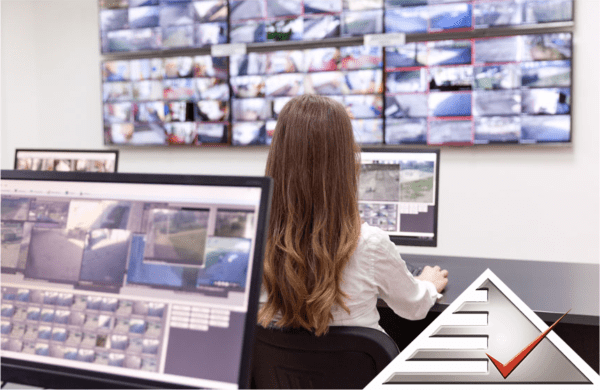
x=487, y=319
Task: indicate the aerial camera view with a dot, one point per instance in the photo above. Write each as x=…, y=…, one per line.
x=379, y=182
x=417, y=181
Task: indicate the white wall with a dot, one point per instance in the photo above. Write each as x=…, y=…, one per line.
x=528, y=203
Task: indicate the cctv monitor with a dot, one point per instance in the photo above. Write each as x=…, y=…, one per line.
x=398, y=192
x=68, y=160
x=130, y=280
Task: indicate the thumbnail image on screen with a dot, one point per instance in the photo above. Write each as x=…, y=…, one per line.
x=398, y=193
x=513, y=89
x=66, y=160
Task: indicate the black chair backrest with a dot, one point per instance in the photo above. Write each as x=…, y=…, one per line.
x=347, y=357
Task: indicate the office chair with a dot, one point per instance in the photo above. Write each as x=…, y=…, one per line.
x=347, y=357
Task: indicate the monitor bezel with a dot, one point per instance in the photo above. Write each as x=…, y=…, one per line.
x=414, y=241
x=41, y=374
x=115, y=152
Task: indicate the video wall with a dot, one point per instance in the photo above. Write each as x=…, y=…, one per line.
x=476, y=90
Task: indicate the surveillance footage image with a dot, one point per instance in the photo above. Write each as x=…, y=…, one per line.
x=296, y=20
x=155, y=25
x=505, y=93
x=110, y=244
x=397, y=192
x=263, y=82
x=175, y=100
x=427, y=92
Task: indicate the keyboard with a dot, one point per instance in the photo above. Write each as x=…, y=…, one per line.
x=414, y=270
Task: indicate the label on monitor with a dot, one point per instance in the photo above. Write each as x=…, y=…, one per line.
x=228, y=49
x=389, y=39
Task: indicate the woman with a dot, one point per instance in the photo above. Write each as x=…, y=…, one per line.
x=322, y=266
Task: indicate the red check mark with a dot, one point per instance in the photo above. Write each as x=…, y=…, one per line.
x=506, y=369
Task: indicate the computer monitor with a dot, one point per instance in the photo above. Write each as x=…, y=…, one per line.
x=398, y=192
x=67, y=160
x=130, y=279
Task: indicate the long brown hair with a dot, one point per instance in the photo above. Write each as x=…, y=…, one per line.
x=315, y=224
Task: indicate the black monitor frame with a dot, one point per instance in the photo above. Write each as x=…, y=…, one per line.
x=56, y=376
x=415, y=241
x=56, y=153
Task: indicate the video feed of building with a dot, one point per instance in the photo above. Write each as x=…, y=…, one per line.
x=166, y=101
x=513, y=89
x=262, y=83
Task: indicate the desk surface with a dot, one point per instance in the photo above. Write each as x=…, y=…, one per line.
x=548, y=288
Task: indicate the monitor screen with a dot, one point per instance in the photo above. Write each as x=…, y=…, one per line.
x=166, y=101
x=142, y=280
x=398, y=192
x=66, y=160
x=262, y=83
x=514, y=89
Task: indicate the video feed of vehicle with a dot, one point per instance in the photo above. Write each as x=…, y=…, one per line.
x=143, y=98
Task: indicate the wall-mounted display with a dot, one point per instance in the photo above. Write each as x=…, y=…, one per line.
x=488, y=90
x=159, y=101
x=144, y=25
x=263, y=82
x=160, y=87
x=435, y=16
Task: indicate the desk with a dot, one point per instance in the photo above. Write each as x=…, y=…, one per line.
x=547, y=288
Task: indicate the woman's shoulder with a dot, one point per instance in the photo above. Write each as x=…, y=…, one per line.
x=372, y=237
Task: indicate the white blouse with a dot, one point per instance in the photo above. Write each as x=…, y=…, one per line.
x=376, y=270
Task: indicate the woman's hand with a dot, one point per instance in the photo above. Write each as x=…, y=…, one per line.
x=435, y=275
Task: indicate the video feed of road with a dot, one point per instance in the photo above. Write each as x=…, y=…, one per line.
x=379, y=182
x=234, y=223
x=417, y=181
x=176, y=236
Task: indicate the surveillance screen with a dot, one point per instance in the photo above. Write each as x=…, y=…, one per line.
x=151, y=280
x=480, y=91
x=66, y=160
x=262, y=83
x=152, y=25
x=398, y=193
x=166, y=101
x=426, y=92
x=422, y=16
x=296, y=20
